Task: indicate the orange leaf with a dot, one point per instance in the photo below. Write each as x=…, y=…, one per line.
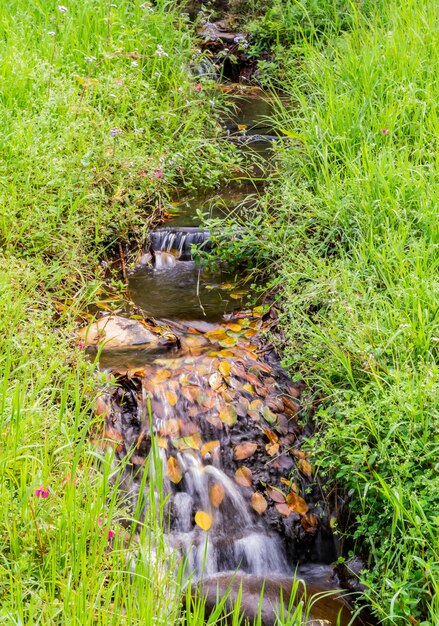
x=162, y=442
x=272, y=448
x=272, y=437
x=203, y=520
x=174, y=471
x=228, y=415
x=209, y=446
x=309, y=521
x=305, y=467
x=297, y=503
x=115, y=437
x=171, y=397
x=235, y=328
x=259, y=503
x=216, y=494
x=244, y=450
x=243, y=476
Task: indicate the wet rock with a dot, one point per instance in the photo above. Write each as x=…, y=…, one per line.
x=115, y=332
x=328, y=609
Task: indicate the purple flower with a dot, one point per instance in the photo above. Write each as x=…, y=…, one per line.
x=42, y=492
x=115, y=132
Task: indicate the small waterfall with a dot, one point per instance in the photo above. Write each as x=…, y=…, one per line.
x=179, y=241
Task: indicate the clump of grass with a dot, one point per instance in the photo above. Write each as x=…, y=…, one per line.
x=100, y=121
x=351, y=226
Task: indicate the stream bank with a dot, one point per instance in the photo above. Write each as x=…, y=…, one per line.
x=240, y=492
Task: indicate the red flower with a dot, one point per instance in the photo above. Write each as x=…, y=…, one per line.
x=42, y=492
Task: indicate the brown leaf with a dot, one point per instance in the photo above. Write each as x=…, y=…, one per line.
x=271, y=436
x=259, y=503
x=309, y=522
x=282, y=507
x=209, y=447
x=276, y=494
x=243, y=476
x=244, y=450
x=101, y=406
x=203, y=520
x=297, y=503
x=174, y=471
x=115, y=437
x=291, y=407
x=216, y=494
x=228, y=415
x=161, y=376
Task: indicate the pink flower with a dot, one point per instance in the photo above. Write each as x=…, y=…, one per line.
x=158, y=174
x=110, y=534
x=198, y=87
x=81, y=345
x=384, y=131
x=42, y=492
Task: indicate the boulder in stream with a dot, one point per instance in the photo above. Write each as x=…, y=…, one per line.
x=115, y=332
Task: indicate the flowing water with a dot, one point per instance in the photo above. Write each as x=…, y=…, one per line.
x=226, y=416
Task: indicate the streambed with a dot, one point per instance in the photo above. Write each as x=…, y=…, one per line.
x=228, y=421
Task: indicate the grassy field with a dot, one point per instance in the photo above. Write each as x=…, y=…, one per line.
x=100, y=120
x=351, y=224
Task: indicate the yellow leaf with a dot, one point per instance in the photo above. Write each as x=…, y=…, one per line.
x=296, y=503
x=209, y=446
x=203, y=520
x=235, y=328
x=224, y=368
x=174, y=471
x=228, y=415
x=216, y=494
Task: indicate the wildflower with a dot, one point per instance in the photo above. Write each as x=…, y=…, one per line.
x=115, y=132
x=158, y=174
x=134, y=64
x=62, y=9
x=42, y=492
x=119, y=81
x=81, y=345
x=52, y=33
x=110, y=534
x=384, y=131
x=198, y=87
x=160, y=52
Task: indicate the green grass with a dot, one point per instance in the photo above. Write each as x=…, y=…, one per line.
x=351, y=226
x=69, y=191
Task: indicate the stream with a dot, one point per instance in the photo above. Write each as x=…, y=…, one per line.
x=228, y=420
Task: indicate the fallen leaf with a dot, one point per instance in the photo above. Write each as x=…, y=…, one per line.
x=268, y=415
x=162, y=442
x=282, y=507
x=114, y=436
x=244, y=450
x=209, y=447
x=259, y=503
x=248, y=388
x=309, y=522
x=224, y=368
x=276, y=494
x=228, y=415
x=243, y=476
x=271, y=436
x=161, y=376
x=216, y=494
x=272, y=448
x=171, y=397
x=305, y=467
x=174, y=471
x=215, y=380
x=203, y=520
x=296, y=503
x=236, y=328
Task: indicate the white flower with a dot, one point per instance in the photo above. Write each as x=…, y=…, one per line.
x=160, y=52
x=134, y=64
x=52, y=33
x=62, y=9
